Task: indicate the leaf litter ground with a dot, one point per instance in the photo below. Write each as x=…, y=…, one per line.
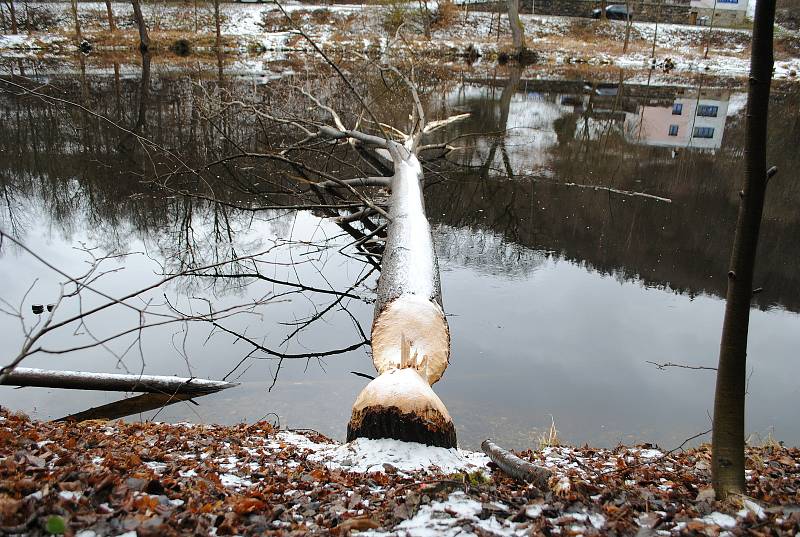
x=100, y=478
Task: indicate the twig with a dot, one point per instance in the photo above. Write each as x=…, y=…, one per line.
x=665, y=365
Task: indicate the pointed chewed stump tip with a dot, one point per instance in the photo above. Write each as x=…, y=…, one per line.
x=400, y=404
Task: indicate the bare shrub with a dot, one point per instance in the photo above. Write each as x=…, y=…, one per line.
x=445, y=14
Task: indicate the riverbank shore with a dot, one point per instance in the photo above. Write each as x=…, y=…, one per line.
x=137, y=479
x=258, y=29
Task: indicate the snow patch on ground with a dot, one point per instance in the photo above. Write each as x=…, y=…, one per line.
x=366, y=455
x=298, y=440
x=720, y=519
x=234, y=481
x=448, y=518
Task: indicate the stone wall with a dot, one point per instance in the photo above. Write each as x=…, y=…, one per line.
x=672, y=11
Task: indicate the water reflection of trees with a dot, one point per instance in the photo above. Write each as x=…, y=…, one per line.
x=148, y=161
x=64, y=162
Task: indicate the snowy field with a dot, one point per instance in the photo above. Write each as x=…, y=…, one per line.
x=249, y=28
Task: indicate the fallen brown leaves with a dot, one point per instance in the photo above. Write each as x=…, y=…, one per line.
x=156, y=479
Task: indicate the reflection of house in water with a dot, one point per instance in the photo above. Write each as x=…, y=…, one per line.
x=526, y=126
x=691, y=121
x=533, y=117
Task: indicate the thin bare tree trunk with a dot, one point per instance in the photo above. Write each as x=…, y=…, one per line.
x=727, y=461
x=710, y=29
x=655, y=32
x=12, y=14
x=144, y=39
x=111, y=24
x=217, y=26
x=603, y=16
x=628, y=24
x=517, y=29
x=76, y=20
x=427, y=16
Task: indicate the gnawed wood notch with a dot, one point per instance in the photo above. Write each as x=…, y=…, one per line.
x=410, y=336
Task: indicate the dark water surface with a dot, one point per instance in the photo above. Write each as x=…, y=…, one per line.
x=560, y=279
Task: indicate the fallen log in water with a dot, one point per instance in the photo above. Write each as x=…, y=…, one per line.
x=410, y=336
x=81, y=380
x=517, y=468
x=131, y=405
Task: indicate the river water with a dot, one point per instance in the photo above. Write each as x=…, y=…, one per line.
x=585, y=242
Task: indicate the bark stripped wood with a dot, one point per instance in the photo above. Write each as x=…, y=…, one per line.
x=409, y=298
x=517, y=468
x=80, y=380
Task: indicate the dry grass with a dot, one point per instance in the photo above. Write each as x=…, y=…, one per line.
x=549, y=438
x=160, y=41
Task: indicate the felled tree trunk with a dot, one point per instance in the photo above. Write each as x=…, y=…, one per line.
x=82, y=380
x=410, y=336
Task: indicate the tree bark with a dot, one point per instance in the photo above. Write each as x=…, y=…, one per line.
x=112, y=26
x=517, y=29
x=144, y=39
x=727, y=462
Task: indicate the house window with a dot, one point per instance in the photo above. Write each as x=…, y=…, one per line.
x=677, y=109
x=704, y=132
x=728, y=1
x=673, y=130
x=707, y=110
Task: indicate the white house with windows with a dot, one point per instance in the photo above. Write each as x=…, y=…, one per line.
x=692, y=121
x=721, y=12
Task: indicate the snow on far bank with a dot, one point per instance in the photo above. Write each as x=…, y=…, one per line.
x=29, y=42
